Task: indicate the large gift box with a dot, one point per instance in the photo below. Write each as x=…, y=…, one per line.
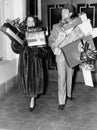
x=36, y=38
x=12, y=32
x=73, y=51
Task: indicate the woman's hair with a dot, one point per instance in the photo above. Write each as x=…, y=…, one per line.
x=36, y=20
x=28, y=17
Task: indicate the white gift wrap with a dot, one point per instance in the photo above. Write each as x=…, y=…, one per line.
x=94, y=32
x=87, y=77
x=86, y=27
x=83, y=17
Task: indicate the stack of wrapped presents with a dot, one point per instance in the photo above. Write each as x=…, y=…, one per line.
x=78, y=46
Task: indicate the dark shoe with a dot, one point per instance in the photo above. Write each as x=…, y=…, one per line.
x=61, y=107
x=70, y=98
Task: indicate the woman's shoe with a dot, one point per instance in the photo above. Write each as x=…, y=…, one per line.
x=32, y=106
x=31, y=109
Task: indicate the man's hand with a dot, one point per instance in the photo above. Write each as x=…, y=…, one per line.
x=57, y=51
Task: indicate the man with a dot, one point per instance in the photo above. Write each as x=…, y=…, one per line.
x=64, y=71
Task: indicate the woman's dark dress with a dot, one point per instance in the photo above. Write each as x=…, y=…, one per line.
x=30, y=70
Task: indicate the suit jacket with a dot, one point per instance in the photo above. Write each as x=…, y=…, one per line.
x=57, y=28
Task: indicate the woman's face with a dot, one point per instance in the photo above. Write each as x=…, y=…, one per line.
x=30, y=22
x=65, y=14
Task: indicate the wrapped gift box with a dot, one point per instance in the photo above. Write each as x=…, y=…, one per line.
x=12, y=32
x=94, y=32
x=80, y=27
x=76, y=21
x=72, y=29
x=36, y=38
x=81, y=30
x=86, y=27
x=72, y=51
x=74, y=35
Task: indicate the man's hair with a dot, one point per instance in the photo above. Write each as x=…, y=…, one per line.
x=69, y=7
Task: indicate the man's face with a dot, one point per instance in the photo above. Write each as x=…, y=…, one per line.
x=65, y=14
x=30, y=22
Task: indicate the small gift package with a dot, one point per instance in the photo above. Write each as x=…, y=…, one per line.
x=86, y=27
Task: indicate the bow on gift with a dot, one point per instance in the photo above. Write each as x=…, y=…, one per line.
x=87, y=54
x=21, y=26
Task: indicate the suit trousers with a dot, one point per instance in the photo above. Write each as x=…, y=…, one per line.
x=65, y=74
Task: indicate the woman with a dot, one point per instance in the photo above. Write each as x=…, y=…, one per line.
x=30, y=65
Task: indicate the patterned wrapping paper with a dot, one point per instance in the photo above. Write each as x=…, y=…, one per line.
x=65, y=33
x=75, y=34
x=76, y=29
x=36, y=38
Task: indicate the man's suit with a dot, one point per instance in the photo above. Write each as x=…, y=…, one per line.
x=64, y=71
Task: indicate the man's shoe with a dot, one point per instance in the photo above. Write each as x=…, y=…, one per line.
x=70, y=98
x=61, y=107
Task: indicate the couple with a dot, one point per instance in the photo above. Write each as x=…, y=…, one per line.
x=30, y=66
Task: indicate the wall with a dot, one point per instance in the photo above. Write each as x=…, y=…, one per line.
x=44, y=4
x=8, y=69
x=9, y=66
x=10, y=9
x=8, y=75
x=74, y=2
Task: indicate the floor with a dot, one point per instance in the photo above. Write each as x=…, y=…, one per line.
x=79, y=114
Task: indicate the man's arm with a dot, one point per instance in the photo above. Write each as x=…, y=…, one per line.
x=55, y=39
x=74, y=35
